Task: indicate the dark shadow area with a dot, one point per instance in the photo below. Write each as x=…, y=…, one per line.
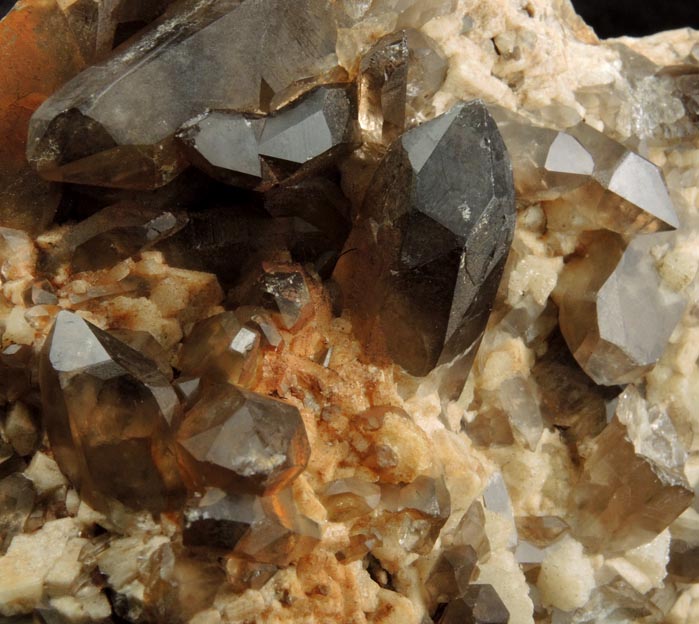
x=614, y=18
x=5, y=6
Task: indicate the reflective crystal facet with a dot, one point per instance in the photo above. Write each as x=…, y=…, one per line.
x=613, y=187
x=252, y=151
x=218, y=520
x=424, y=260
x=222, y=348
x=613, y=338
x=451, y=574
x=113, y=124
x=480, y=604
x=633, y=485
x=108, y=413
x=240, y=441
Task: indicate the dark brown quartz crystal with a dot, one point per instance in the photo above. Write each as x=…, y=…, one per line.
x=423, y=262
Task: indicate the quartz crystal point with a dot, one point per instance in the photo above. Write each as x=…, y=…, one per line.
x=108, y=413
x=222, y=348
x=242, y=442
x=613, y=338
x=281, y=533
x=424, y=260
x=281, y=289
x=451, y=574
x=259, y=152
x=115, y=233
x=218, y=520
x=480, y=604
x=383, y=84
x=633, y=484
x=113, y=125
x=615, y=188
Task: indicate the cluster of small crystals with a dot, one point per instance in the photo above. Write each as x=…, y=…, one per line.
x=378, y=311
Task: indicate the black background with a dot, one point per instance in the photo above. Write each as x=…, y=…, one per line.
x=610, y=18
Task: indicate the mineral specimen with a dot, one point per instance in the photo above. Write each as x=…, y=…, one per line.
x=633, y=484
x=114, y=124
x=346, y=311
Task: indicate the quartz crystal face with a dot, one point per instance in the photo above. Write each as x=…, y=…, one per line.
x=109, y=413
x=114, y=124
x=261, y=152
x=480, y=604
x=222, y=348
x=613, y=187
x=240, y=442
x=633, y=484
x=611, y=337
x=425, y=257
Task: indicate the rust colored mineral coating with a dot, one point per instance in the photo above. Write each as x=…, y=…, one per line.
x=241, y=442
x=108, y=412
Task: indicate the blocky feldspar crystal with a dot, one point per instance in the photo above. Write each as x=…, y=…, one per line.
x=218, y=520
x=242, y=442
x=613, y=187
x=222, y=348
x=113, y=125
x=480, y=604
x=260, y=152
x=633, y=484
x=115, y=233
x=613, y=338
x=108, y=413
x=425, y=257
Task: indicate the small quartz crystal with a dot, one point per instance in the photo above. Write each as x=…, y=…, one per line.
x=241, y=442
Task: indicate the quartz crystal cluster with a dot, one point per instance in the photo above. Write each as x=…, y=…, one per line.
x=369, y=312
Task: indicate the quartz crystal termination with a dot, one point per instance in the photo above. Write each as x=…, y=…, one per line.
x=612, y=186
x=109, y=414
x=113, y=125
x=424, y=260
x=259, y=152
x=242, y=442
x=633, y=483
x=613, y=338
